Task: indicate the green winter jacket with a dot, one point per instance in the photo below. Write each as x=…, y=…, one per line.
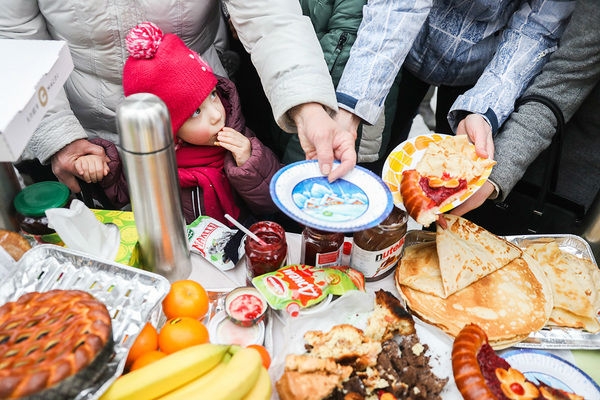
x=336, y=24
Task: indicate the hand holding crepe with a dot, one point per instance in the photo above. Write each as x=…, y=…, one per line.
x=508, y=304
x=467, y=253
x=577, y=297
x=443, y=174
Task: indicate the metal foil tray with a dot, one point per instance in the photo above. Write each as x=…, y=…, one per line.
x=549, y=337
x=132, y=296
x=556, y=337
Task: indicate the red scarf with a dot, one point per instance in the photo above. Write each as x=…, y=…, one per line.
x=203, y=166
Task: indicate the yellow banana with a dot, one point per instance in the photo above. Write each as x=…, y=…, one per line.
x=167, y=373
x=191, y=388
x=232, y=383
x=262, y=389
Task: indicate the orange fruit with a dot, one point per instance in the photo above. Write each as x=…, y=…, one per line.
x=186, y=298
x=146, y=341
x=147, y=358
x=264, y=354
x=181, y=332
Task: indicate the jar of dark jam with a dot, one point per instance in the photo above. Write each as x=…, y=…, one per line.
x=376, y=251
x=267, y=257
x=321, y=248
x=31, y=204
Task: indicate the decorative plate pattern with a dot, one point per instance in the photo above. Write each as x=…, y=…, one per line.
x=406, y=156
x=358, y=201
x=541, y=366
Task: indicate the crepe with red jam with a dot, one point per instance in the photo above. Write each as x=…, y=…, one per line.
x=443, y=175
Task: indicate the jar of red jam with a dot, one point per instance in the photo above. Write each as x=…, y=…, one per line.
x=321, y=248
x=376, y=251
x=268, y=256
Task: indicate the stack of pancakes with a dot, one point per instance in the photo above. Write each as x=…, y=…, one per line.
x=469, y=275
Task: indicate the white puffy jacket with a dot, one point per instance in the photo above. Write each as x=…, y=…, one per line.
x=286, y=53
x=95, y=32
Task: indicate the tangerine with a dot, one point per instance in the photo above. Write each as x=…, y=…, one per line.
x=147, y=358
x=186, y=298
x=146, y=341
x=181, y=332
x=264, y=354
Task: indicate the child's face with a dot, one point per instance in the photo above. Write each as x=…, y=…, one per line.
x=207, y=121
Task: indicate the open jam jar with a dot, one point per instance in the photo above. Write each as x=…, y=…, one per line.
x=267, y=257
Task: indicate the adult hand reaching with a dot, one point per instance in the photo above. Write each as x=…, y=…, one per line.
x=323, y=138
x=479, y=132
x=63, y=162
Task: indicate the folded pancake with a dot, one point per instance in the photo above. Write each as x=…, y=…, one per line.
x=577, y=292
x=467, y=252
x=508, y=304
x=419, y=269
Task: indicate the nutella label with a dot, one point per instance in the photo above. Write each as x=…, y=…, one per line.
x=375, y=263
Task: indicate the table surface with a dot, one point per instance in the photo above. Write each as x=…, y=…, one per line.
x=215, y=280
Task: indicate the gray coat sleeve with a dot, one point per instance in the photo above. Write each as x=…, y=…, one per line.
x=569, y=76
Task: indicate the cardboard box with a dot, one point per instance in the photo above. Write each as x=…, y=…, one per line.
x=32, y=72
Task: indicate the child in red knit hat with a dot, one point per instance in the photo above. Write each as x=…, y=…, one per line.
x=219, y=158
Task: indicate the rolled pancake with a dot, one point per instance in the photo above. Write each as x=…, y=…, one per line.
x=577, y=292
x=508, y=304
x=467, y=252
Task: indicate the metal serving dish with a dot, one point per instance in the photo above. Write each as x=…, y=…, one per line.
x=556, y=337
x=132, y=296
x=550, y=337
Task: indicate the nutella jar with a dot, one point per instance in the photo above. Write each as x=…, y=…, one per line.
x=31, y=204
x=321, y=248
x=267, y=257
x=377, y=250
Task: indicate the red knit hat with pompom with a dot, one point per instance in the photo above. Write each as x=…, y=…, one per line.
x=163, y=65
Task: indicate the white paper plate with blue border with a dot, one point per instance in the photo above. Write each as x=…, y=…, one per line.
x=542, y=366
x=359, y=200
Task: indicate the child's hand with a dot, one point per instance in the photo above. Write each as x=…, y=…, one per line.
x=92, y=168
x=236, y=143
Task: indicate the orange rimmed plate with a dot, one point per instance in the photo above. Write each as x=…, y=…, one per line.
x=406, y=156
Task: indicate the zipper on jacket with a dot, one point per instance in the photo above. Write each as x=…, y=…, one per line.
x=338, y=48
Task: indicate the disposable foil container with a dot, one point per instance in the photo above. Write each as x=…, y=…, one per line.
x=557, y=337
x=548, y=337
x=132, y=296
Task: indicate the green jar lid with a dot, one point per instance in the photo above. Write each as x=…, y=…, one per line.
x=35, y=199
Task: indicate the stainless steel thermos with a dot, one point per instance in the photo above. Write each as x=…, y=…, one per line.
x=147, y=151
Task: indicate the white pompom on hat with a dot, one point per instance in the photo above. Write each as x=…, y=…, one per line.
x=163, y=65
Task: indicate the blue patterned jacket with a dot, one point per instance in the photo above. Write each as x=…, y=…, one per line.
x=498, y=45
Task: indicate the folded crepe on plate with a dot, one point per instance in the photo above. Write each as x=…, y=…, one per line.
x=577, y=292
x=467, y=253
x=509, y=304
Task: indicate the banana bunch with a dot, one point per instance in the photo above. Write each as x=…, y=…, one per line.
x=206, y=371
